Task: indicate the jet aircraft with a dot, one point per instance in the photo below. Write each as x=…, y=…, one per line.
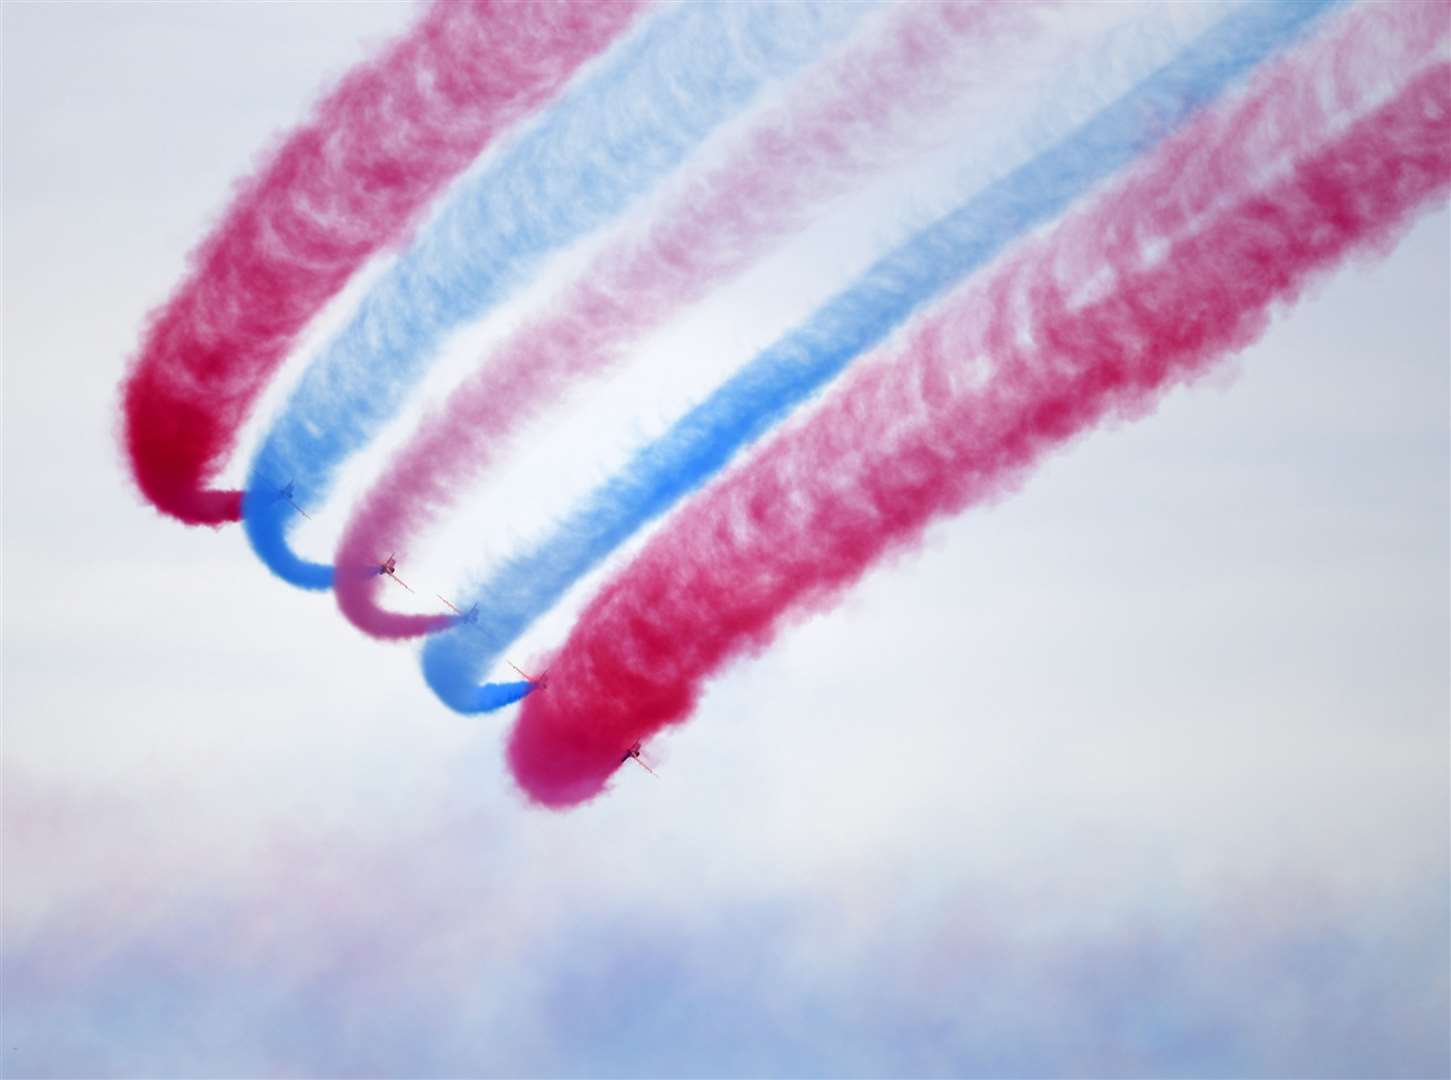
x=541, y=683
x=634, y=752
x=287, y=493
x=390, y=569
x=471, y=616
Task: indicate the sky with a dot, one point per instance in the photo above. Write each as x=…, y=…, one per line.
x=1140, y=770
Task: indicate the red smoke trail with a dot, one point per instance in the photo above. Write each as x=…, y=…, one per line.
x=344, y=185
x=837, y=130
x=916, y=436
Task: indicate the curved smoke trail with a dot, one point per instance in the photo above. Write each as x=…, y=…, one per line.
x=821, y=504
x=857, y=319
x=838, y=128
x=342, y=186
x=607, y=142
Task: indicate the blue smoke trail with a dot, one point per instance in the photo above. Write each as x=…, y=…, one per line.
x=762, y=392
x=603, y=145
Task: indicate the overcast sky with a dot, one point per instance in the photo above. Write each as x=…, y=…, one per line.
x=1141, y=770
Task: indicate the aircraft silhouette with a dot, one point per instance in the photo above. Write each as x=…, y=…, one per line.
x=389, y=568
x=471, y=616
x=287, y=493
x=634, y=753
x=541, y=683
